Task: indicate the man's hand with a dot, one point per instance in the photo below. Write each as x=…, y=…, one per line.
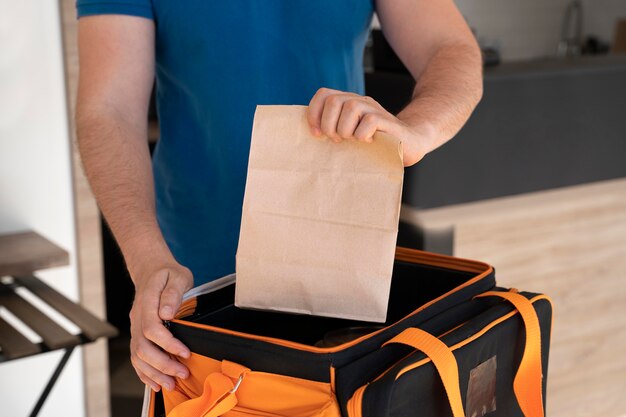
x=116, y=78
x=158, y=295
x=434, y=42
x=348, y=116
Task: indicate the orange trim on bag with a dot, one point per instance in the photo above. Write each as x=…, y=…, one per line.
x=409, y=354
x=527, y=383
x=474, y=336
x=355, y=404
x=187, y=308
x=443, y=261
x=443, y=359
x=402, y=254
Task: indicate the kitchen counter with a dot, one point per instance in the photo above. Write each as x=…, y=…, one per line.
x=541, y=125
x=557, y=66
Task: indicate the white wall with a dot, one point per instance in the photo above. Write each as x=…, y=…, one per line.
x=36, y=183
x=532, y=28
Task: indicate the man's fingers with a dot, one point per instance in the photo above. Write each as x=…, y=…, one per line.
x=157, y=360
x=350, y=116
x=152, y=375
x=155, y=367
x=368, y=125
x=340, y=115
x=150, y=295
x=144, y=378
x=151, y=326
x=316, y=106
x=330, y=116
x=318, y=103
x=154, y=330
x=171, y=296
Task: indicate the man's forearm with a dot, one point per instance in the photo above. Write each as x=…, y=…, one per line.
x=117, y=163
x=445, y=95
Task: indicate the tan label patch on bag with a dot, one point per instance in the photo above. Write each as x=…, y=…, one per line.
x=481, y=389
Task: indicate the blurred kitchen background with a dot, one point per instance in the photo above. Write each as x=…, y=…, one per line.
x=535, y=184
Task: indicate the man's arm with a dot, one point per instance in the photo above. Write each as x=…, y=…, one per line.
x=115, y=81
x=436, y=45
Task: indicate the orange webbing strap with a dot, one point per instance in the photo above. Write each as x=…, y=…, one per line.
x=218, y=395
x=528, y=380
x=443, y=359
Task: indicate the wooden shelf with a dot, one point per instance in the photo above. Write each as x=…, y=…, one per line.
x=25, y=252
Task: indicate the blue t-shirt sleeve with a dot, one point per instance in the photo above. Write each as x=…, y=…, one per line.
x=141, y=8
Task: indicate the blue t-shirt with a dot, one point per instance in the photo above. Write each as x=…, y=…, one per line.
x=216, y=60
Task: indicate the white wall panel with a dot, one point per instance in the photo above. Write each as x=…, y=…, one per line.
x=36, y=182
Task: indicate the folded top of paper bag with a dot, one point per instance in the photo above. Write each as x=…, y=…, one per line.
x=320, y=220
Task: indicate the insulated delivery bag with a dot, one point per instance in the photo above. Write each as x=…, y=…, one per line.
x=453, y=344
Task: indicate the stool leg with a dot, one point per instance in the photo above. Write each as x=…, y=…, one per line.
x=52, y=381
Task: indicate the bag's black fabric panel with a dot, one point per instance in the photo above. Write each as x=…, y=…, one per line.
x=351, y=354
x=413, y=285
x=419, y=392
x=367, y=368
x=254, y=354
x=211, y=302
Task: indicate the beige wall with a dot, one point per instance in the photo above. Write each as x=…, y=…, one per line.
x=532, y=28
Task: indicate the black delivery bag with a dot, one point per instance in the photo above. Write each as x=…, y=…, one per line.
x=453, y=344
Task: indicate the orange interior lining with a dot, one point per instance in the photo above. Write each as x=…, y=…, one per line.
x=403, y=255
x=187, y=308
x=256, y=393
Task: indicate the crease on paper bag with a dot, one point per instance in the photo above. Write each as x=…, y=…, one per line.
x=319, y=222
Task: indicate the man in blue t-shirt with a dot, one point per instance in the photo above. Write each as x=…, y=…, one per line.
x=177, y=218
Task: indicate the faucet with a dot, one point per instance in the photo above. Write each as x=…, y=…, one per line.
x=572, y=30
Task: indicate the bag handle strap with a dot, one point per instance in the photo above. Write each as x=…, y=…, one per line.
x=218, y=394
x=527, y=384
x=443, y=359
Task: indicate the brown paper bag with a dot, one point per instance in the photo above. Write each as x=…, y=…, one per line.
x=320, y=220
